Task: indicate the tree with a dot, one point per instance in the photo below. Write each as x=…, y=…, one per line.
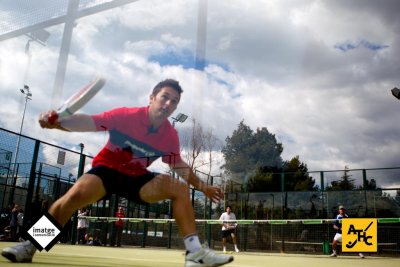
x=370, y=184
x=264, y=180
x=212, y=146
x=236, y=150
x=297, y=177
x=193, y=144
x=199, y=147
x=247, y=151
x=256, y=158
x=345, y=182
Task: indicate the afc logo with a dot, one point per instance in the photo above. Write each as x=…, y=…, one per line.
x=359, y=235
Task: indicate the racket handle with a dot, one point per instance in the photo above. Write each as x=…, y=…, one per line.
x=53, y=118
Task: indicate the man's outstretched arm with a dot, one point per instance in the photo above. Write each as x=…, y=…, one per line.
x=73, y=123
x=212, y=192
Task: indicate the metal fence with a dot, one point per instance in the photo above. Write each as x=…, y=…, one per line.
x=39, y=175
x=294, y=236
x=43, y=172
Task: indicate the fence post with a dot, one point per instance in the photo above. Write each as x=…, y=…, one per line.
x=81, y=167
x=209, y=217
x=31, y=185
x=283, y=210
x=365, y=186
x=145, y=226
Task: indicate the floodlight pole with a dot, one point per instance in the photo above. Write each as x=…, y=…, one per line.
x=28, y=95
x=179, y=118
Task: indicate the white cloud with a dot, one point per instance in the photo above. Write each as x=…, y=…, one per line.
x=273, y=64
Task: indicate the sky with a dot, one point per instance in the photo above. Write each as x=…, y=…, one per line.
x=317, y=74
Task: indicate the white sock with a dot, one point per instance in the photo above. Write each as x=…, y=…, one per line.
x=192, y=243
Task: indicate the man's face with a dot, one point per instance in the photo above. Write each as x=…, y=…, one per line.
x=228, y=210
x=341, y=211
x=164, y=103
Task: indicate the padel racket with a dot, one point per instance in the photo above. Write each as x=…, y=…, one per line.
x=78, y=100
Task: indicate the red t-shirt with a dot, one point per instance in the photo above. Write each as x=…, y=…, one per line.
x=120, y=223
x=133, y=145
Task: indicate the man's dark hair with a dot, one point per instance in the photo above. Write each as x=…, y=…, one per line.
x=228, y=206
x=167, y=83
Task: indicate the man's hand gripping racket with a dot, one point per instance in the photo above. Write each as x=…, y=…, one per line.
x=72, y=104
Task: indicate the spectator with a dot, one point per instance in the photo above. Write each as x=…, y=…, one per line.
x=118, y=227
x=83, y=225
x=14, y=222
x=20, y=222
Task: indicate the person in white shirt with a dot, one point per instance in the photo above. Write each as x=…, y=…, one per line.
x=337, y=225
x=83, y=225
x=228, y=219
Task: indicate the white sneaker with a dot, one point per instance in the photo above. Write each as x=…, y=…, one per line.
x=22, y=252
x=236, y=250
x=361, y=255
x=333, y=254
x=207, y=258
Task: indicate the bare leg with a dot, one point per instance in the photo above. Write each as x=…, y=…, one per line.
x=334, y=244
x=234, y=239
x=224, y=242
x=87, y=190
x=165, y=187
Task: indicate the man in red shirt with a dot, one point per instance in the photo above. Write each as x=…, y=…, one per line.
x=138, y=136
x=118, y=227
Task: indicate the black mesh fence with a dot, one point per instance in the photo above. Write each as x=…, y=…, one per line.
x=294, y=236
x=34, y=174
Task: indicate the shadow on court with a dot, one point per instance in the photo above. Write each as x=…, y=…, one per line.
x=91, y=256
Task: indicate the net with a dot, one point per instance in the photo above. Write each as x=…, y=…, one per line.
x=293, y=236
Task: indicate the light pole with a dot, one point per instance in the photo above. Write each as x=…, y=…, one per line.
x=179, y=118
x=28, y=95
x=40, y=36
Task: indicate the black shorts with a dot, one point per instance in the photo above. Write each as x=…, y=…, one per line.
x=121, y=184
x=226, y=233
